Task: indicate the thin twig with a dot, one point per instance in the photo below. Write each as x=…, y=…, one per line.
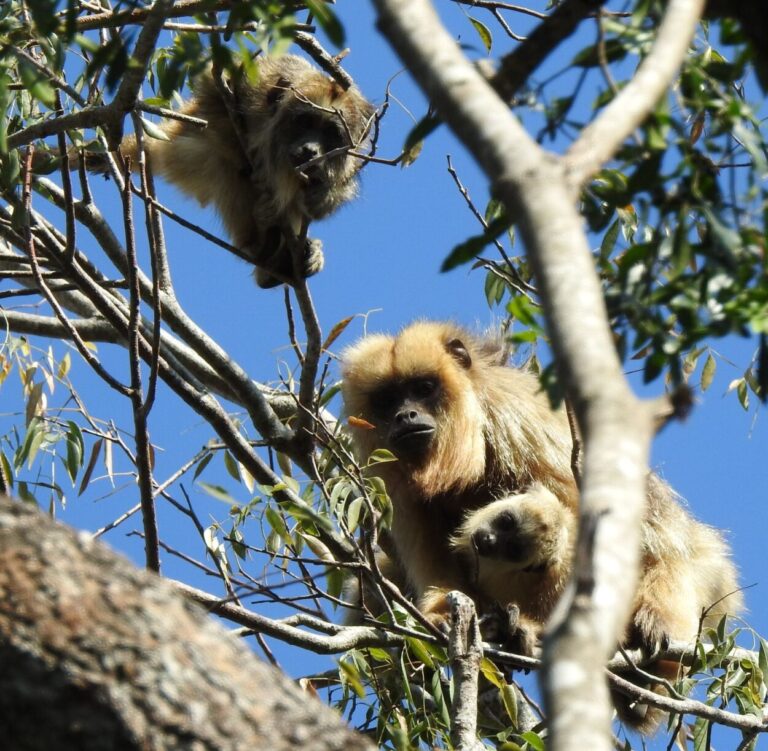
x=140, y=414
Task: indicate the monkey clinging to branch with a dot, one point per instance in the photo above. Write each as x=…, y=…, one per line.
x=484, y=498
x=292, y=165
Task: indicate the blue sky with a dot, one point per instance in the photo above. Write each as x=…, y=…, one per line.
x=382, y=257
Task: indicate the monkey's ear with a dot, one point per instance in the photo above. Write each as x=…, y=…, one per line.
x=459, y=353
x=278, y=91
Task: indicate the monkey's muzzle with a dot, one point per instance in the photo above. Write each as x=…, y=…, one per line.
x=412, y=439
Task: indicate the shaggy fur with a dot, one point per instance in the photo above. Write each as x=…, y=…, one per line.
x=500, y=448
x=294, y=113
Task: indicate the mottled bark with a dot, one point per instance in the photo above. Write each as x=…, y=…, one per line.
x=465, y=648
x=97, y=654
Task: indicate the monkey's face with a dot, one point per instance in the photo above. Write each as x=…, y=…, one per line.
x=525, y=532
x=315, y=143
x=510, y=536
x=417, y=393
x=404, y=412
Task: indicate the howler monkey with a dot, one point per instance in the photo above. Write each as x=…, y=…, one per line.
x=298, y=125
x=484, y=497
x=520, y=548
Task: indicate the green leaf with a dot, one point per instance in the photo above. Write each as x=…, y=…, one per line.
x=64, y=366
x=609, y=240
x=415, y=138
x=217, y=491
x=700, y=735
x=153, y=130
x=509, y=697
x=237, y=543
x=590, y=57
x=469, y=249
x=494, y=289
x=491, y=673
x=708, y=372
x=483, y=32
x=7, y=472
x=277, y=523
x=353, y=513
x=32, y=441
x=533, y=740
x=232, y=467
x=420, y=652
x=351, y=677
x=381, y=456
x=334, y=582
x=743, y=394
x=201, y=465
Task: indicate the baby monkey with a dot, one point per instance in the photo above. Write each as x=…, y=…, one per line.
x=292, y=166
x=520, y=549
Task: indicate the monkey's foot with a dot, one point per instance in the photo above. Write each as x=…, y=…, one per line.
x=506, y=626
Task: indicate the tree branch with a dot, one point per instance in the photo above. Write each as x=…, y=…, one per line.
x=337, y=638
x=599, y=141
x=518, y=65
x=112, y=657
x=465, y=651
x=616, y=427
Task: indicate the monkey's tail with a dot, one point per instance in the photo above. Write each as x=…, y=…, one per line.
x=643, y=717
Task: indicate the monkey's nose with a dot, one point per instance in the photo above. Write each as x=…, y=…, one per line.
x=484, y=541
x=305, y=153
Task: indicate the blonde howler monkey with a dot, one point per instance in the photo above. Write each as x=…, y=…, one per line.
x=298, y=126
x=478, y=446
x=465, y=429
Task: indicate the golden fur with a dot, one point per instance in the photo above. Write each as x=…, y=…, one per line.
x=261, y=196
x=500, y=447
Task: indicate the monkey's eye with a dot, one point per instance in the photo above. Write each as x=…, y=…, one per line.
x=334, y=135
x=505, y=522
x=382, y=401
x=424, y=388
x=304, y=121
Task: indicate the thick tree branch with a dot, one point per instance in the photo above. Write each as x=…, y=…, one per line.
x=113, y=657
x=616, y=428
x=465, y=650
x=599, y=141
x=518, y=65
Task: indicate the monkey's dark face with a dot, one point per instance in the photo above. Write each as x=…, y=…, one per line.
x=316, y=143
x=405, y=415
x=508, y=537
x=529, y=531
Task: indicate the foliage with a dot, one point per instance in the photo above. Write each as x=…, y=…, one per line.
x=678, y=221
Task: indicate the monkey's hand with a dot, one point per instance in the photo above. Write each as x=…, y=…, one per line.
x=314, y=260
x=507, y=626
x=277, y=268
